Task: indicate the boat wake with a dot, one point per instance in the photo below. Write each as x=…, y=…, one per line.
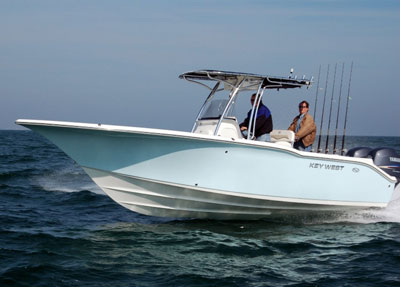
x=66, y=180
x=389, y=214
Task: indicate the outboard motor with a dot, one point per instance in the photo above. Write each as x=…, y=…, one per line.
x=359, y=152
x=388, y=160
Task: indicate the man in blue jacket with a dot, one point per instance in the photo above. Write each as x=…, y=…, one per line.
x=263, y=120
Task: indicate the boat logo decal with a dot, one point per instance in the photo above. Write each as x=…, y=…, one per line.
x=356, y=169
x=326, y=166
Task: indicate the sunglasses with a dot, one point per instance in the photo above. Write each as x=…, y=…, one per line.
x=302, y=107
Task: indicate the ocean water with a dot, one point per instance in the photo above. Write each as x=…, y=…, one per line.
x=58, y=229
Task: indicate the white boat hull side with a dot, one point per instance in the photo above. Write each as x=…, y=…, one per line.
x=169, y=200
x=193, y=162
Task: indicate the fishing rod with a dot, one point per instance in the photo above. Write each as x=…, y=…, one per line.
x=347, y=108
x=338, y=111
x=323, y=109
x=330, y=112
x=316, y=94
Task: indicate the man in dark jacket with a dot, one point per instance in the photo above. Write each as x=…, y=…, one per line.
x=263, y=120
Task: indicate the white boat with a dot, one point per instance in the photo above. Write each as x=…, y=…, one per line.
x=213, y=171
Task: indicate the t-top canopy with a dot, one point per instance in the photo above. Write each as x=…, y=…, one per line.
x=251, y=81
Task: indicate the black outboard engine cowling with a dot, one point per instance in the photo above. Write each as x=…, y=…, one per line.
x=388, y=160
x=359, y=152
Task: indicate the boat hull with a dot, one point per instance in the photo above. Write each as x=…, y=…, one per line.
x=177, y=174
x=171, y=200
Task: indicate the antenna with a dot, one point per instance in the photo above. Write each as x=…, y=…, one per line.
x=338, y=111
x=323, y=109
x=291, y=73
x=330, y=112
x=347, y=109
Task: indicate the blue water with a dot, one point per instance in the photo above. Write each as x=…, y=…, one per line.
x=58, y=229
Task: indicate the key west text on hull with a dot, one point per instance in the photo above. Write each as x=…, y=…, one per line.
x=213, y=172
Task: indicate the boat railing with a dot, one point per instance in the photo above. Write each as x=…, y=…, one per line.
x=232, y=96
x=210, y=96
x=254, y=111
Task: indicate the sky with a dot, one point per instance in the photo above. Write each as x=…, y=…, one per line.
x=118, y=62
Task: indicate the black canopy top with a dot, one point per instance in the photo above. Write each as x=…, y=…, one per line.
x=251, y=81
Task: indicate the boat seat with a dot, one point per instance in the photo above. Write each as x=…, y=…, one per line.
x=282, y=137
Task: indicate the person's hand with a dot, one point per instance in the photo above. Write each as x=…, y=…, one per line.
x=243, y=128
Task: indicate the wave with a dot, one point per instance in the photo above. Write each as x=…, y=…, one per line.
x=69, y=188
x=11, y=174
x=66, y=180
x=389, y=214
